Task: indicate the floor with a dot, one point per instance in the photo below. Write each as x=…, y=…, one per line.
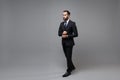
x=104, y=72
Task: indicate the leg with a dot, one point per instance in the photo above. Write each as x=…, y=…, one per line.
x=68, y=54
x=64, y=49
x=70, y=64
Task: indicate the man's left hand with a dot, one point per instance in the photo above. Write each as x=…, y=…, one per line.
x=64, y=36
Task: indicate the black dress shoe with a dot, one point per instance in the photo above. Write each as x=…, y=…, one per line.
x=67, y=74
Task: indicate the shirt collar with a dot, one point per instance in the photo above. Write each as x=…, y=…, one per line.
x=67, y=21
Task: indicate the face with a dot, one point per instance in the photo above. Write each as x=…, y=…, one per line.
x=65, y=16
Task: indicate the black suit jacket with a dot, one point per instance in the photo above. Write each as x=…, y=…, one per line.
x=71, y=32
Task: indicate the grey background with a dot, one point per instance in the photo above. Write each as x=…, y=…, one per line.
x=28, y=32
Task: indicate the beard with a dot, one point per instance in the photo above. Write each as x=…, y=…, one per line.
x=65, y=19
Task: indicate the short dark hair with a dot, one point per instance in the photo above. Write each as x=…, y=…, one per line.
x=68, y=12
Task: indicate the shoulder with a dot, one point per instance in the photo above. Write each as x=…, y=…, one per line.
x=72, y=22
x=61, y=23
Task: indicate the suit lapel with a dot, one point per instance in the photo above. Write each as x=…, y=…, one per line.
x=63, y=26
x=68, y=24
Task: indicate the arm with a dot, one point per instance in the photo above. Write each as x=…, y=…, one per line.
x=75, y=32
x=60, y=30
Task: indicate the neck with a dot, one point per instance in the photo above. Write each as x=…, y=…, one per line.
x=66, y=20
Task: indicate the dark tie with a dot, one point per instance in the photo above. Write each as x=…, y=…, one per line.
x=65, y=24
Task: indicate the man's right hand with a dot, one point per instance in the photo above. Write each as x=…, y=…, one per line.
x=64, y=33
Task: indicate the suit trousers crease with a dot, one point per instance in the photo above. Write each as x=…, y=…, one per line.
x=68, y=54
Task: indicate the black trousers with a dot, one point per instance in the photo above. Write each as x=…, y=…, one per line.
x=68, y=54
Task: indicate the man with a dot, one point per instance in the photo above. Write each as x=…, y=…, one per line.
x=67, y=31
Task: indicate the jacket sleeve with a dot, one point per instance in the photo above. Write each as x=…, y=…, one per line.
x=60, y=30
x=75, y=32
